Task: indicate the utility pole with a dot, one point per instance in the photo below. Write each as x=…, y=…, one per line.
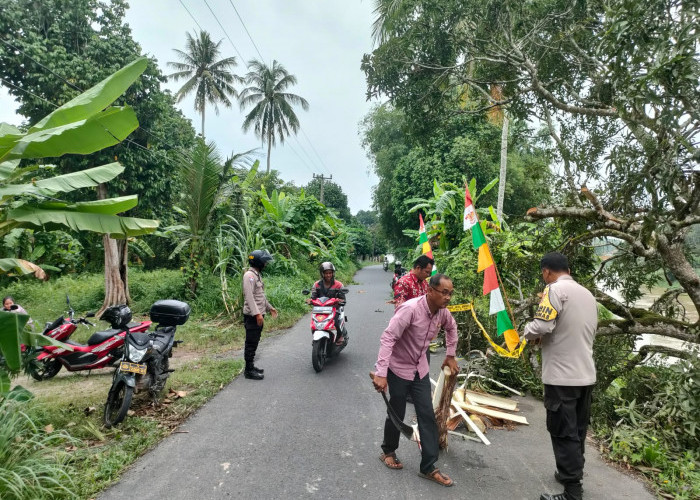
x=322, y=179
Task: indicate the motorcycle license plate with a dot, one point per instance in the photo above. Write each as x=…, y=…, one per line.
x=125, y=366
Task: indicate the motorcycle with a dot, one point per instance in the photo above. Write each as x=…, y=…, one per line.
x=399, y=271
x=103, y=348
x=327, y=319
x=145, y=363
x=385, y=265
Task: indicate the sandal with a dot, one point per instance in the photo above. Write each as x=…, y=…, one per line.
x=438, y=477
x=395, y=462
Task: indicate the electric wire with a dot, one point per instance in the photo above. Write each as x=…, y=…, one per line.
x=246, y=30
x=188, y=11
x=225, y=33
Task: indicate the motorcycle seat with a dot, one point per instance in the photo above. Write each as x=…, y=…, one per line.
x=99, y=337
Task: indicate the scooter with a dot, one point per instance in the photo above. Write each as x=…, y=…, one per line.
x=103, y=348
x=145, y=363
x=399, y=271
x=385, y=265
x=327, y=320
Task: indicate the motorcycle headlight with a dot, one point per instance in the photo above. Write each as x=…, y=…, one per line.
x=135, y=353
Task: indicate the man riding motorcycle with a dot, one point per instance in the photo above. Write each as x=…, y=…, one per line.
x=323, y=287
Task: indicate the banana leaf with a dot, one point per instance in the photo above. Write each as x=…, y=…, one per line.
x=105, y=129
x=95, y=99
x=116, y=227
x=11, y=327
x=65, y=183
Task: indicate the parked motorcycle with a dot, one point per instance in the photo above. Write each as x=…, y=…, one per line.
x=103, y=348
x=327, y=319
x=399, y=271
x=145, y=364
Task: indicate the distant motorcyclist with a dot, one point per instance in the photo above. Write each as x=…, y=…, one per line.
x=328, y=286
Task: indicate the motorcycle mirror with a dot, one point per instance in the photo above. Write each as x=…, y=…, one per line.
x=68, y=301
x=345, y=290
x=90, y=315
x=306, y=292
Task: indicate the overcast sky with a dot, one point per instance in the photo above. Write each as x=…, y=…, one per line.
x=319, y=41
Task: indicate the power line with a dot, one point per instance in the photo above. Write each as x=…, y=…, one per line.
x=314, y=149
x=225, y=33
x=246, y=30
x=188, y=11
x=300, y=158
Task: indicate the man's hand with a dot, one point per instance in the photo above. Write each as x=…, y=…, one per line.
x=378, y=382
x=273, y=311
x=259, y=320
x=451, y=362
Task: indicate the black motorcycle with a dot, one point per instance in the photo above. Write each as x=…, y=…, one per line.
x=145, y=364
x=399, y=271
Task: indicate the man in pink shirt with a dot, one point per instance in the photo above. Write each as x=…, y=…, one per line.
x=402, y=366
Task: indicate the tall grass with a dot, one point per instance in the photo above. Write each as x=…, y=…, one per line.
x=32, y=464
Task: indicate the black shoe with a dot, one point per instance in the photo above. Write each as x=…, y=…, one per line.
x=558, y=496
x=252, y=374
x=259, y=370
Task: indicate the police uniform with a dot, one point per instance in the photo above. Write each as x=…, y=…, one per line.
x=254, y=303
x=566, y=322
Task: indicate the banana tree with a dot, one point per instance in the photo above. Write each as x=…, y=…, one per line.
x=84, y=125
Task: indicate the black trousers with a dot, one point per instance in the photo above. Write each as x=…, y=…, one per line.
x=568, y=414
x=252, y=338
x=427, y=425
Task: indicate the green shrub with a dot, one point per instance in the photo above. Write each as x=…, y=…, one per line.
x=31, y=463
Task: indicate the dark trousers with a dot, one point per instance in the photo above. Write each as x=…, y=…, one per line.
x=252, y=339
x=568, y=414
x=427, y=425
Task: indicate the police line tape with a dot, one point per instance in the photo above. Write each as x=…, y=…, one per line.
x=499, y=350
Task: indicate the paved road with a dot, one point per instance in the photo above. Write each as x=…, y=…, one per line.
x=299, y=434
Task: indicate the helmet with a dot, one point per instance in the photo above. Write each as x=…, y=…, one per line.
x=397, y=264
x=326, y=266
x=117, y=316
x=259, y=258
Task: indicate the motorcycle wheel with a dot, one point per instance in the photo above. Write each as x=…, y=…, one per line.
x=318, y=354
x=45, y=369
x=118, y=402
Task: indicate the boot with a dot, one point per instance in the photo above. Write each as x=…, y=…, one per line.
x=252, y=373
x=558, y=496
x=259, y=370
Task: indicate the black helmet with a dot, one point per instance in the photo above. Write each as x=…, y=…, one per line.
x=259, y=258
x=397, y=264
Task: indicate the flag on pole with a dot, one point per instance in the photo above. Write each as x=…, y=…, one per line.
x=470, y=219
x=486, y=264
x=424, y=243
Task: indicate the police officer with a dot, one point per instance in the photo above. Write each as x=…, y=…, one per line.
x=255, y=305
x=565, y=324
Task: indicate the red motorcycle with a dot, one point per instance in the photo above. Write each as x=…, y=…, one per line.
x=327, y=320
x=103, y=348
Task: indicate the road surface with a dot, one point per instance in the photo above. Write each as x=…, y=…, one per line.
x=301, y=434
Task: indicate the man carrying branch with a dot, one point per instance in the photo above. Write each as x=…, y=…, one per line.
x=402, y=365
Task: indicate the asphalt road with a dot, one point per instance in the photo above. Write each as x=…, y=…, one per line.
x=299, y=434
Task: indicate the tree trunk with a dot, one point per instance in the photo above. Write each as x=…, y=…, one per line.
x=672, y=252
x=269, y=148
x=203, y=124
x=504, y=161
x=116, y=254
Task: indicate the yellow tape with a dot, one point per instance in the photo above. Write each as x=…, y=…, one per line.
x=459, y=307
x=499, y=350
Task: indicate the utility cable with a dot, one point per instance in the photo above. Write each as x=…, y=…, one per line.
x=246, y=30
x=225, y=33
x=188, y=11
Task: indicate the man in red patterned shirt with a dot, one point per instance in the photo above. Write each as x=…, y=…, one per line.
x=415, y=283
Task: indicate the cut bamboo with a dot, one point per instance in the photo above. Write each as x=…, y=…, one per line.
x=487, y=399
x=471, y=424
x=492, y=413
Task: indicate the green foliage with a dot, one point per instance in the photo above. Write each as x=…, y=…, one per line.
x=32, y=464
x=272, y=116
x=208, y=76
x=333, y=196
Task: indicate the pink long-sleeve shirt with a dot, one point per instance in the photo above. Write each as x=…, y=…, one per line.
x=408, y=336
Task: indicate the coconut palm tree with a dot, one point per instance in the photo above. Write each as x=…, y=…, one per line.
x=272, y=111
x=208, y=76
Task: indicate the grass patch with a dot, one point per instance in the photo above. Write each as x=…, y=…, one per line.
x=72, y=403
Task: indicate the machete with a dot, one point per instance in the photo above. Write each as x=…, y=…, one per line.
x=409, y=432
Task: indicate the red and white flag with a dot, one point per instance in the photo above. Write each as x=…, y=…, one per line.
x=470, y=219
